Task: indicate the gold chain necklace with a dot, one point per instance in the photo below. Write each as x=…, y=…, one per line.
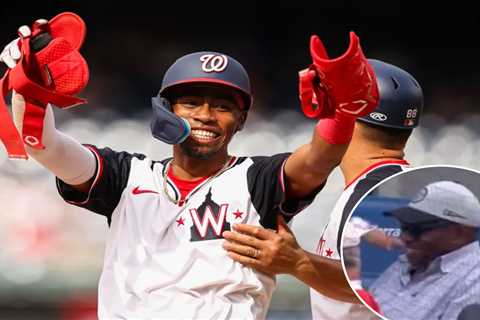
x=176, y=202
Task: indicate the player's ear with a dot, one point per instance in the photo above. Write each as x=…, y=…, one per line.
x=243, y=118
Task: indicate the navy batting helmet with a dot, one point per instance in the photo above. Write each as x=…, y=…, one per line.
x=401, y=98
x=208, y=67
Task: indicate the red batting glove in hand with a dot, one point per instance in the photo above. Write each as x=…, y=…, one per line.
x=46, y=68
x=338, y=90
x=369, y=300
x=347, y=82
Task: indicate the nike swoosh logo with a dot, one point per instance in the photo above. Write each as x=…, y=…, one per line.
x=137, y=190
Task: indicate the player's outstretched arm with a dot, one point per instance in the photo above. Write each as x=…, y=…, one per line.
x=278, y=252
x=63, y=156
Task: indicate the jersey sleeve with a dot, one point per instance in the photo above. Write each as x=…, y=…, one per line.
x=266, y=184
x=111, y=178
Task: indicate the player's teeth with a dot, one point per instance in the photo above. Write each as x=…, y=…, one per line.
x=203, y=134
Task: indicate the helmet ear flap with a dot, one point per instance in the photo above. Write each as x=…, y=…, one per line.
x=166, y=126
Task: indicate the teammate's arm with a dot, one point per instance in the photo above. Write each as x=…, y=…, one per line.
x=326, y=276
x=279, y=253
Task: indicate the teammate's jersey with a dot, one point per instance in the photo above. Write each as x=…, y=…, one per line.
x=325, y=308
x=166, y=261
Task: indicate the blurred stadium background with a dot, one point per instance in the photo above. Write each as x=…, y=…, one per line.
x=51, y=253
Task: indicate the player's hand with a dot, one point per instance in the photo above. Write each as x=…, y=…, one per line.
x=11, y=53
x=268, y=251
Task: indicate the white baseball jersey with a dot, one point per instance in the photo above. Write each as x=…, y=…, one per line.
x=325, y=308
x=166, y=261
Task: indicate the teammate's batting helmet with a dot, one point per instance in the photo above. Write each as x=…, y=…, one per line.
x=208, y=67
x=401, y=98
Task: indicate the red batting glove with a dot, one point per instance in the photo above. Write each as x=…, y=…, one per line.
x=46, y=67
x=337, y=91
x=348, y=82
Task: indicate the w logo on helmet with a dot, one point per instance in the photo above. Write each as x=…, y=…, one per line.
x=214, y=62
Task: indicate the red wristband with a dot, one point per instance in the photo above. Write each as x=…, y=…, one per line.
x=336, y=130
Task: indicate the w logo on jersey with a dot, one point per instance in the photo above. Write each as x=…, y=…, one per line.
x=209, y=220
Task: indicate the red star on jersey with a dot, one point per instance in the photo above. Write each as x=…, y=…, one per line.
x=238, y=214
x=329, y=252
x=180, y=221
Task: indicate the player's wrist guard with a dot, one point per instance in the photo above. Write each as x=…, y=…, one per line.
x=336, y=130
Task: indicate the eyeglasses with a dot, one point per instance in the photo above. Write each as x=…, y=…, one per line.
x=416, y=229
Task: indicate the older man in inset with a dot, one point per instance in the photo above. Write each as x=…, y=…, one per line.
x=439, y=274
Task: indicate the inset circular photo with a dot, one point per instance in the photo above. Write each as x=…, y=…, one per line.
x=410, y=247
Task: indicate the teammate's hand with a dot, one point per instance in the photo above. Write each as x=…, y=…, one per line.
x=268, y=251
x=11, y=53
